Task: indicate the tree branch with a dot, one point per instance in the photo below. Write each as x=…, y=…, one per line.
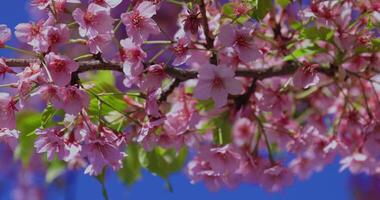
x=178, y=73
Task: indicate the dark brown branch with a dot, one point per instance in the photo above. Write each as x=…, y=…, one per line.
x=206, y=30
x=169, y=89
x=181, y=74
x=243, y=99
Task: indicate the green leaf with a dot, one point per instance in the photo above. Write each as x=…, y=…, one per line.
x=27, y=122
x=283, y=3
x=205, y=105
x=310, y=50
x=261, y=8
x=47, y=115
x=131, y=171
x=315, y=33
x=55, y=169
x=164, y=162
x=104, y=77
x=222, y=130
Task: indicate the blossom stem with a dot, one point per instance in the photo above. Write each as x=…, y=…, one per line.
x=158, y=54
x=269, y=149
x=20, y=50
x=118, y=25
x=85, y=56
x=9, y=85
x=176, y=2
x=159, y=42
x=72, y=24
x=110, y=106
x=80, y=41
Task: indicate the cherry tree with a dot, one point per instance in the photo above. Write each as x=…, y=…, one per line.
x=229, y=92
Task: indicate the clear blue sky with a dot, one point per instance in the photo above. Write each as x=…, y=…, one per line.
x=329, y=184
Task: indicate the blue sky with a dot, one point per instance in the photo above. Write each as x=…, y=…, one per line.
x=329, y=184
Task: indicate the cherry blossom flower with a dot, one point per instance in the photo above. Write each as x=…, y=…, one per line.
x=72, y=100
x=217, y=82
x=154, y=77
x=132, y=56
x=56, y=35
x=241, y=40
x=180, y=49
x=306, y=76
x=60, y=68
x=4, y=68
x=7, y=110
x=107, y=3
x=10, y=137
x=139, y=23
x=33, y=34
x=101, y=152
x=5, y=34
x=276, y=177
x=99, y=43
x=95, y=20
x=192, y=22
x=243, y=131
x=52, y=142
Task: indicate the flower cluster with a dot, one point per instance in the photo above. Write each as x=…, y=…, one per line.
x=258, y=92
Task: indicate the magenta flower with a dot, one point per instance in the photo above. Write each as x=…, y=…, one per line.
x=139, y=23
x=243, y=131
x=7, y=111
x=132, y=56
x=276, y=177
x=154, y=77
x=95, y=20
x=306, y=76
x=72, y=100
x=33, y=34
x=216, y=82
x=60, y=68
x=4, y=68
x=99, y=43
x=5, y=35
x=52, y=142
x=101, y=151
x=56, y=35
x=181, y=51
x=107, y=3
x=10, y=137
x=241, y=40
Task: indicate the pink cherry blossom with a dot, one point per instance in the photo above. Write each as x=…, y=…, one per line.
x=72, y=100
x=132, y=56
x=139, y=23
x=10, y=137
x=241, y=40
x=4, y=68
x=217, y=82
x=7, y=110
x=5, y=34
x=107, y=3
x=57, y=35
x=60, y=68
x=306, y=76
x=95, y=20
x=180, y=49
x=276, y=177
x=99, y=43
x=33, y=34
x=101, y=152
x=154, y=77
x=243, y=131
x=52, y=142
